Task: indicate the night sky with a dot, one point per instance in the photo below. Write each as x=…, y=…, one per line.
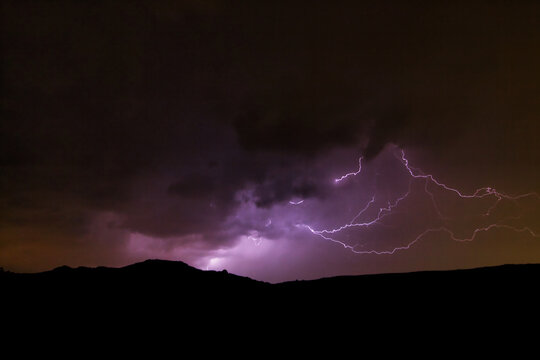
x=213, y=132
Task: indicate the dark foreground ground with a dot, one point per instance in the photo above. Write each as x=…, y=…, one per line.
x=176, y=283
x=172, y=297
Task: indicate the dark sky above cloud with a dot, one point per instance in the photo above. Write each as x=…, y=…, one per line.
x=184, y=129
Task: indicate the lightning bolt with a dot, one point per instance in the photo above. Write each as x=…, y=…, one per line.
x=351, y=173
x=429, y=179
x=479, y=193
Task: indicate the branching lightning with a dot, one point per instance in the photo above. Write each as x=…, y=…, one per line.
x=430, y=180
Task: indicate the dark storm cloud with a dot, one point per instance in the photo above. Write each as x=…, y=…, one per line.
x=193, y=186
x=162, y=111
x=286, y=188
x=414, y=74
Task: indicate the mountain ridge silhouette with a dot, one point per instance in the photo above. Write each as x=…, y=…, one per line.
x=154, y=294
x=173, y=276
x=180, y=268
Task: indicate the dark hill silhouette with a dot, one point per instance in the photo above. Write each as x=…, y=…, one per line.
x=176, y=277
x=168, y=281
x=155, y=290
x=165, y=275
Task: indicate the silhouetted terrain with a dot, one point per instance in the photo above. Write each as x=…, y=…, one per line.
x=174, y=291
x=160, y=277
